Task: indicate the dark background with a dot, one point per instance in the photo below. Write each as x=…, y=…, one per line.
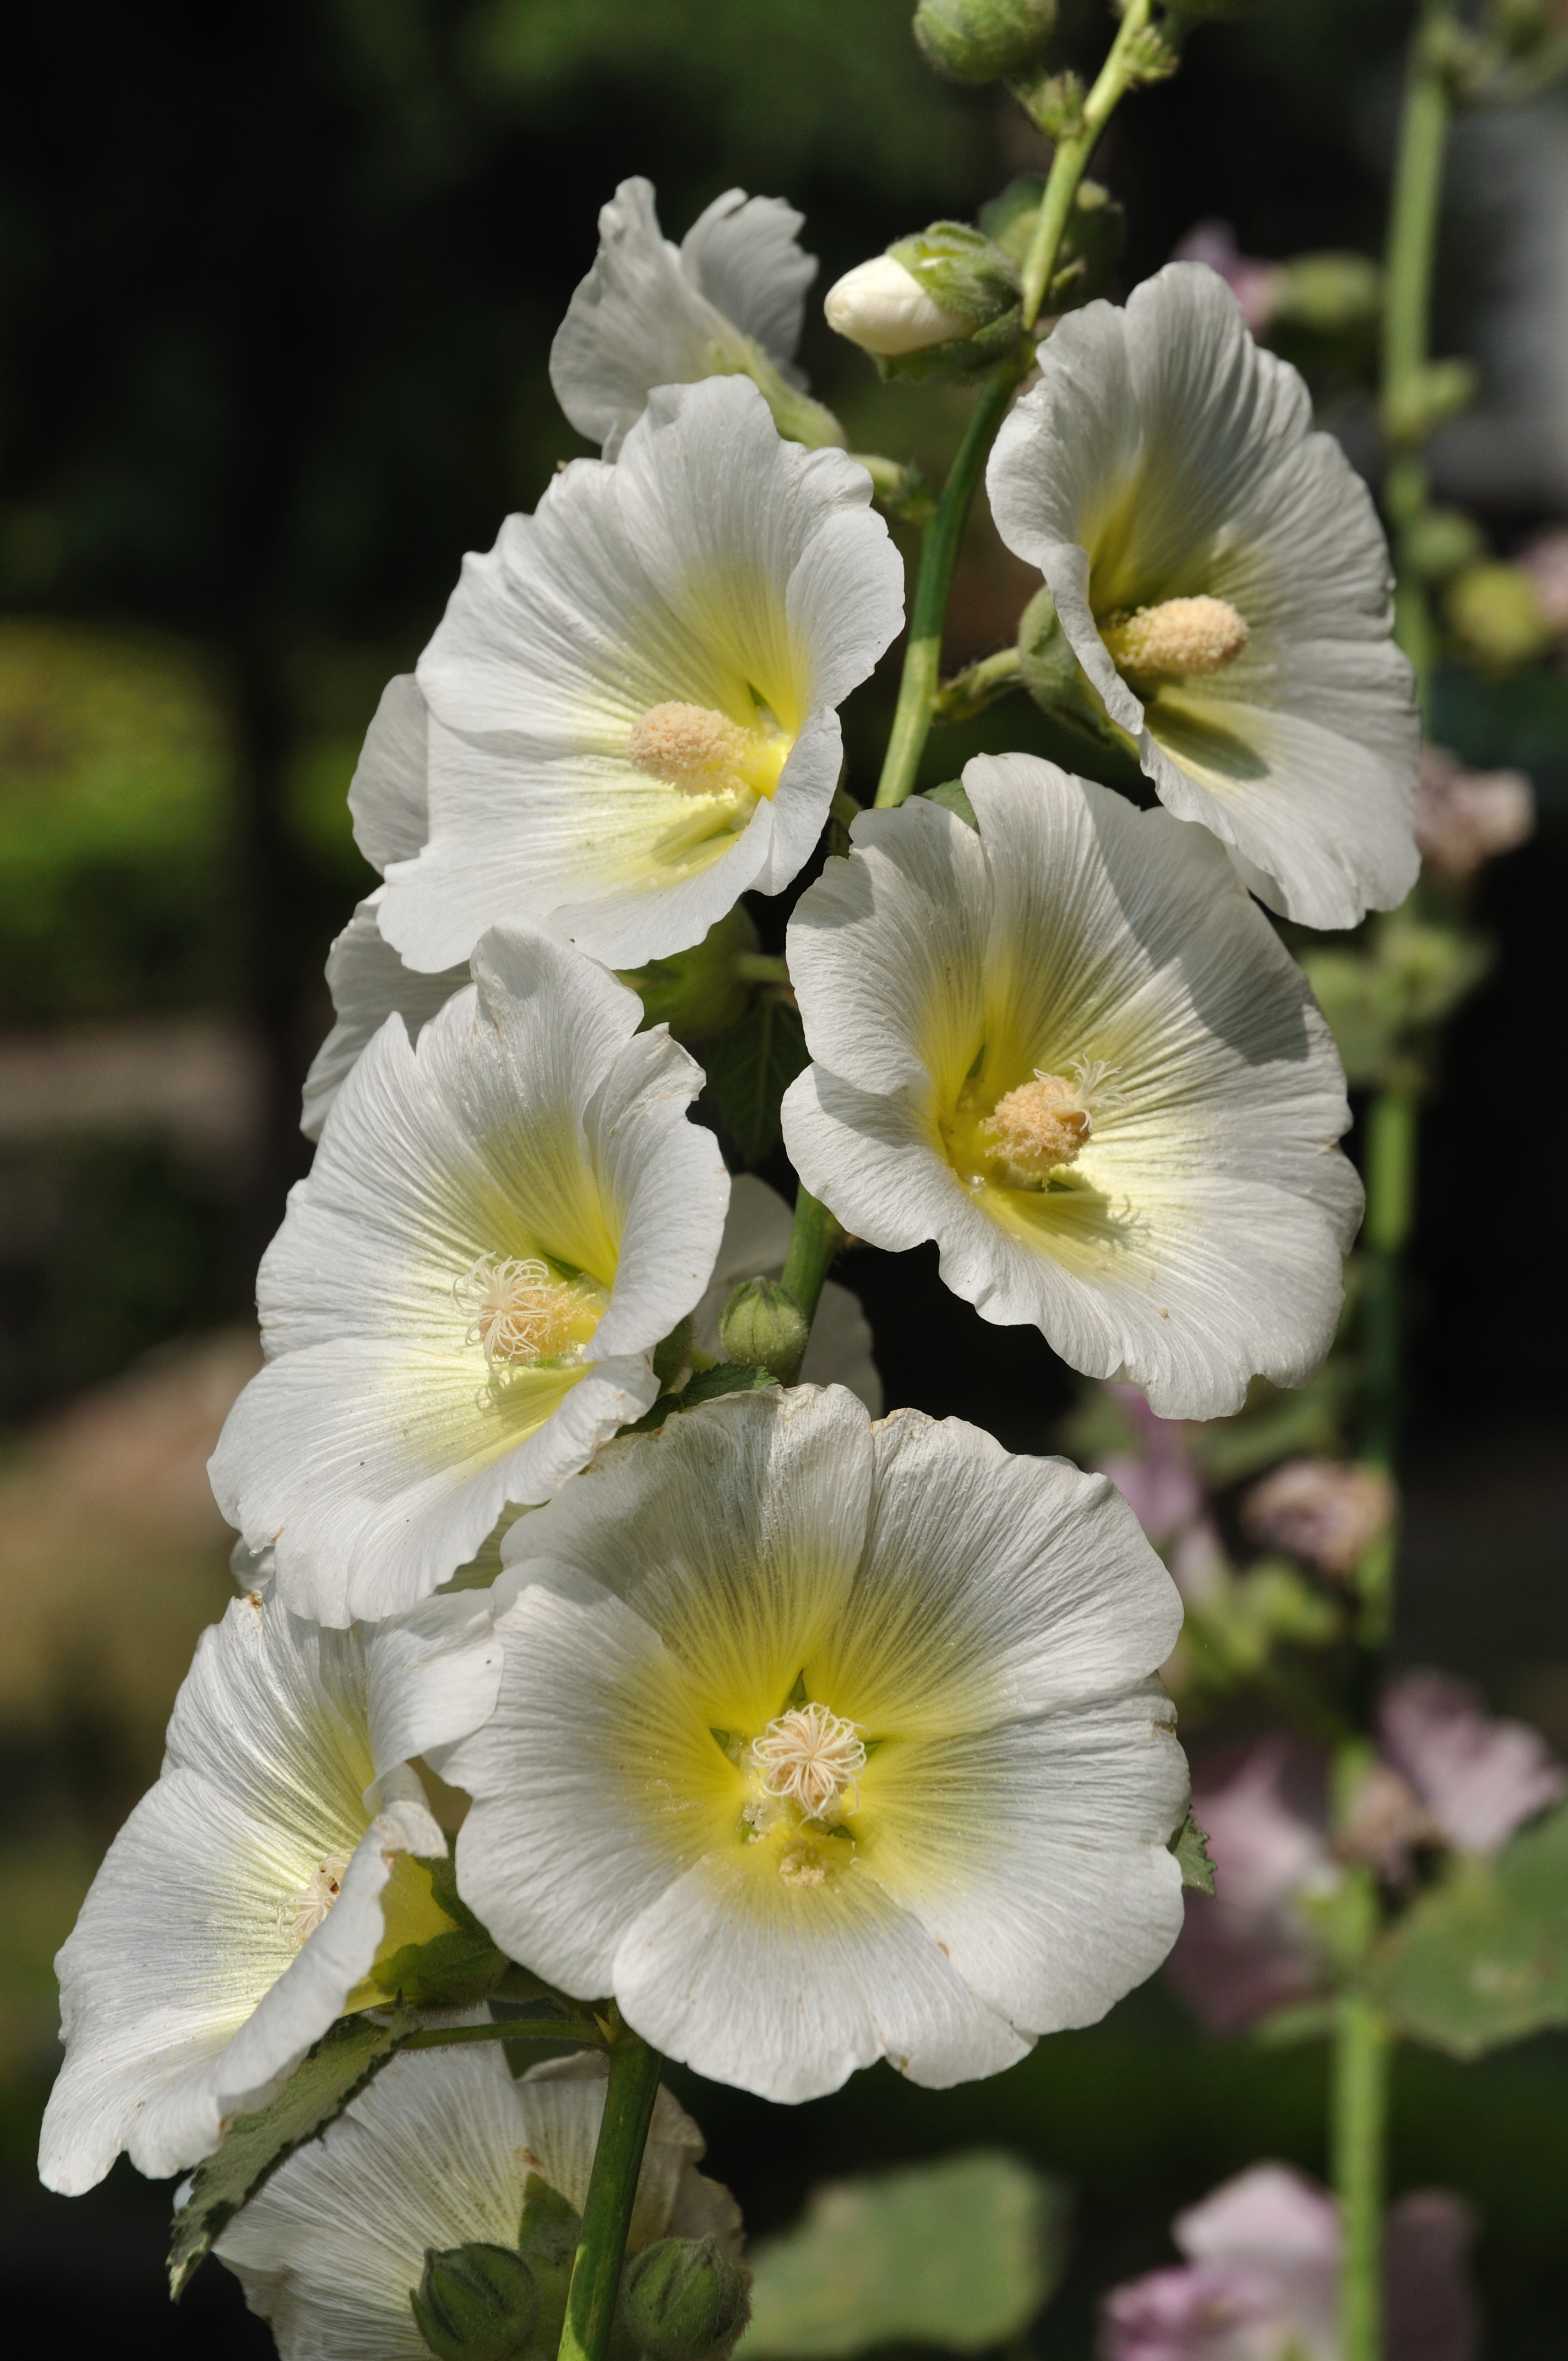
x=277, y=289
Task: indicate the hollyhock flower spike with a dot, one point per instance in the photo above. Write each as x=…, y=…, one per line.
x=729, y=301
x=438, y=2153
x=819, y=1741
x=464, y=1299
x=1072, y=1050
x=1220, y=573
x=244, y=1903
x=632, y=700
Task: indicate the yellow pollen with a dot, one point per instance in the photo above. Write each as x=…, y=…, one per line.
x=519, y=1313
x=1183, y=636
x=1046, y=1122
x=810, y=1756
x=309, y=1905
x=691, y=747
x=799, y=1864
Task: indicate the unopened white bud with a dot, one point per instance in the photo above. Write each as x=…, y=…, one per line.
x=883, y=308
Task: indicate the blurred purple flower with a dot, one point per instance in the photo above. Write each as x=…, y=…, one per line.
x=1255, y=285
x=1324, y=1510
x=1260, y=2280
x=1546, y=563
x=1464, y=818
x=1247, y=1948
x=1478, y=1778
x=1155, y=1476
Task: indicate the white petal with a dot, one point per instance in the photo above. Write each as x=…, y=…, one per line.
x=369, y=983
x=638, y=320
x=1164, y=454
x=430, y=1677
x=387, y=795
x=713, y=566
x=1200, y=1238
x=373, y=1451
x=563, y=2102
x=743, y=254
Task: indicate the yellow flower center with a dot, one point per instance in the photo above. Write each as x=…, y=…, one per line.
x=522, y=1315
x=1043, y=1125
x=706, y=753
x=302, y=1911
x=1179, y=638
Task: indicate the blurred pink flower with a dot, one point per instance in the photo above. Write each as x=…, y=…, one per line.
x=1464, y=818
x=1324, y=1510
x=1156, y=1476
x=1255, y=285
x=1478, y=1778
x=1546, y=564
x=1246, y=1948
x=1260, y=2282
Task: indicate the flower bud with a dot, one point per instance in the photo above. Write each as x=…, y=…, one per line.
x=883, y=308
x=982, y=40
x=763, y=1325
x=681, y=2299
x=476, y=2303
x=1091, y=240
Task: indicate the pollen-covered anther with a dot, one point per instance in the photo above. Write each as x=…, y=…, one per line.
x=302, y=1911
x=691, y=746
x=520, y=1313
x=1046, y=1123
x=801, y=1865
x=810, y=1756
x=1180, y=637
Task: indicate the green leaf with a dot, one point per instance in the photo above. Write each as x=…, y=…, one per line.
x=961, y=2252
x=1191, y=1845
x=252, y=2147
x=452, y=1970
x=751, y=1067
x=952, y=796
x=1483, y=1958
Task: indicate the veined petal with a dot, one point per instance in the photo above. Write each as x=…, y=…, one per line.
x=784, y=1699
x=743, y=254
x=369, y=983
x=715, y=575
x=389, y=794
x=1164, y=457
x=1187, y=1232
x=530, y=1161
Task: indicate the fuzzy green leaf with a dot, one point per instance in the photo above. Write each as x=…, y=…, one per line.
x=751, y=1067
x=1483, y=1959
x=1191, y=1845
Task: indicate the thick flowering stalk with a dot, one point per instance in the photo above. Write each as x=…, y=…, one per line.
x=440, y=2154
x=1222, y=577
x=466, y=1294
x=632, y=697
x=820, y=1741
x=728, y=302
x=1070, y=1050
x=246, y=1901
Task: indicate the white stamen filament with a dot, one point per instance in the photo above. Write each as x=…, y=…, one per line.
x=308, y=1907
x=810, y=1757
x=519, y=1312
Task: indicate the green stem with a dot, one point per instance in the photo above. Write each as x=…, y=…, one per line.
x=513, y=2028
x=592, y=2299
x=813, y=1240
x=928, y=614
x=1072, y=154
x=1409, y=262
x=1392, y=1135
x=1362, y=2053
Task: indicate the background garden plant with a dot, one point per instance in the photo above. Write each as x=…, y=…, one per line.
x=1409, y=1922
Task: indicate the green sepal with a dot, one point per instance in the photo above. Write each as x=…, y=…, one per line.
x=751, y=1067
x=763, y=1326
x=1482, y=1958
x=951, y=795
x=338, y=2067
x=1191, y=1845
x=962, y=269
x=1093, y=237
x=962, y=357
x=476, y=2302
x=682, y=2300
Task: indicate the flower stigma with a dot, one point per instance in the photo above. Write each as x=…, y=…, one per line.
x=308, y=1907
x=1180, y=638
x=809, y=1757
x=706, y=753
x=1046, y=1123
x=520, y=1313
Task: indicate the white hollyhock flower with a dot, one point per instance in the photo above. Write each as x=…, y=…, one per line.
x=437, y=2152
x=883, y=308
x=755, y=1242
x=730, y=300
x=632, y=699
x=1073, y=1051
x=819, y=1742
x=244, y=1904
x=369, y=983
x=1221, y=572
x=464, y=1298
